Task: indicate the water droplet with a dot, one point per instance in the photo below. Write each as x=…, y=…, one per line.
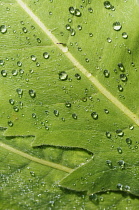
x=121, y=164
x=32, y=93
x=14, y=72
x=128, y=141
x=33, y=115
x=37, y=64
x=119, y=150
x=33, y=58
x=19, y=91
x=77, y=13
x=94, y=115
x=70, y=20
x=127, y=188
x=107, y=5
x=131, y=127
x=129, y=51
x=120, y=186
x=32, y=173
x=108, y=135
x=47, y=128
x=79, y=27
x=123, y=77
x=90, y=10
x=24, y=29
x=46, y=55
x=4, y=73
x=78, y=76
x=87, y=60
x=38, y=40
x=63, y=76
x=90, y=34
x=109, y=163
x=79, y=49
x=72, y=10
x=16, y=109
x=117, y=26
x=93, y=197
x=106, y=73
x=19, y=63
x=68, y=27
x=11, y=101
x=1, y=62
x=120, y=88
x=106, y=111
x=72, y=32
x=68, y=104
x=120, y=133
x=56, y=113
x=10, y=123
x=74, y=116
x=3, y=29
x=121, y=67
x=124, y=35
x=109, y=40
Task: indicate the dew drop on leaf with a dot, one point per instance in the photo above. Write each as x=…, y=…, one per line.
x=117, y=26
x=74, y=116
x=32, y=93
x=15, y=108
x=63, y=76
x=127, y=188
x=119, y=150
x=87, y=60
x=24, y=29
x=108, y=135
x=33, y=115
x=68, y=104
x=106, y=73
x=120, y=186
x=56, y=113
x=94, y=115
x=10, y=123
x=106, y=111
x=121, y=67
x=11, y=101
x=90, y=10
x=109, y=40
x=120, y=88
x=72, y=10
x=14, y=72
x=46, y=55
x=38, y=40
x=1, y=62
x=124, y=35
x=123, y=77
x=19, y=91
x=107, y=4
x=47, y=128
x=79, y=27
x=109, y=163
x=21, y=71
x=121, y=164
x=68, y=27
x=3, y=29
x=33, y=58
x=128, y=141
x=120, y=133
x=19, y=63
x=131, y=127
x=93, y=197
x=37, y=64
x=90, y=34
x=4, y=73
x=77, y=13
x=72, y=32
x=78, y=76
x=70, y=20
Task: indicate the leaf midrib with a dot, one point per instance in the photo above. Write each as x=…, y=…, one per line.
x=82, y=69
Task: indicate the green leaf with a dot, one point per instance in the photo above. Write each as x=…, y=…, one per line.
x=69, y=79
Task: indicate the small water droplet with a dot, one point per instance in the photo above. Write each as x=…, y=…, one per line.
x=68, y=27
x=90, y=34
x=120, y=88
x=129, y=51
x=72, y=32
x=108, y=135
x=106, y=111
x=90, y=10
x=77, y=13
x=72, y=10
x=70, y=20
x=37, y=64
x=19, y=91
x=94, y=115
x=56, y=113
x=68, y=104
x=14, y=72
x=10, y=123
x=93, y=197
x=123, y=77
x=47, y=128
x=74, y=116
x=127, y=188
x=109, y=163
x=3, y=29
x=24, y=29
x=120, y=186
x=124, y=35
x=78, y=76
x=46, y=55
x=1, y=62
x=121, y=67
x=120, y=133
x=109, y=40
x=119, y=150
x=32, y=173
x=128, y=141
x=33, y=58
x=38, y=40
x=33, y=115
x=106, y=73
x=79, y=27
x=15, y=108
x=117, y=26
x=19, y=63
x=63, y=76
x=4, y=73
x=32, y=93
x=131, y=127
x=107, y=5
x=87, y=60
x=11, y=101
x=121, y=164
x=79, y=49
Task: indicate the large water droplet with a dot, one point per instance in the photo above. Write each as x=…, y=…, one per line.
x=77, y=13
x=94, y=115
x=63, y=76
x=4, y=73
x=117, y=26
x=3, y=29
x=56, y=113
x=72, y=10
x=32, y=93
x=123, y=77
x=106, y=73
x=46, y=55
